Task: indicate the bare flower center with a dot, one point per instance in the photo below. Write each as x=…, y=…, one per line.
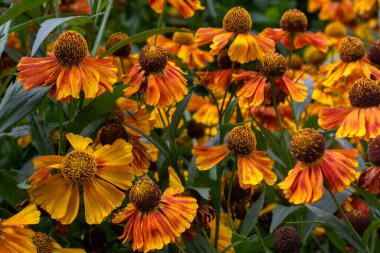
x=237, y=20
x=70, y=48
x=79, y=167
x=307, y=145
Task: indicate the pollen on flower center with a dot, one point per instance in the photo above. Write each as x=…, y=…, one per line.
x=79, y=167
x=237, y=20
x=351, y=49
x=111, y=132
x=364, y=93
x=153, y=58
x=114, y=39
x=241, y=140
x=70, y=48
x=294, y=21
x=374, y=151
x=273, y=64
x=183, y=38
x=307, y=145
x=43, y=243
x=145, y=195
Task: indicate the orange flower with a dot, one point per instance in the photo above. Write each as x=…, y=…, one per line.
x=304, y=183
x=333, y=10
x=70, y=67
x=98, y=171
x=45, y=243
x=253, y=166
x=186, y=7
x=15, y=236
x=352, y=64
x=152, y=219
x=182, y=46
x=295, y=22
x=335, y=32
x=370, y=178
x=362, y=120
x=257, y=85
x=245, y=46
x=363, y=6
x=163, y=83
x=266, y=115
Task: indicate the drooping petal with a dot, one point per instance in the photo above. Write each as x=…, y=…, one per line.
x=207, y=157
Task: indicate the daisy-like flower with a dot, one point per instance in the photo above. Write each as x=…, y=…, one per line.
x=122, y=58
x=335, y=32
x=257, y=85
x=294, y=22
x=363, y=6
x=15, y=237
x=266, y=115
x=100, y=172
x=333, y=10
x=154, y=219
x=162, y=83
x=245, y=46
x=186, y=7
x=71, y=67
x=370, y=178
x=46, y=244
x=253, y=166
x=362, y=119
x=182, y=46
x=219, y=79
x=304, y=183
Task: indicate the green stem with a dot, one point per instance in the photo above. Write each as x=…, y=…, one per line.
x=290, y=50
x=225, y=94
x=260, y=238
x=344, y=215
x=160, y=19
x=218, y=201
x=102, y=28
x=60, y=122
x=229, y=195
x=57, y=14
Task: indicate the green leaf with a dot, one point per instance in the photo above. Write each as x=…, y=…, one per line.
x=4, y=32
x=98, y=108
x=140, y=37
x=335, y=238
x=178, y=114
x=17, y=103
x=368, y=196
x=242, y=244
x=230, y=110
x=41, y=138
x=252, y=215
x=339, y=225
x=19, y=8
x=279, y=215
x=46, y=28
x=371, y=229
x=8, y=189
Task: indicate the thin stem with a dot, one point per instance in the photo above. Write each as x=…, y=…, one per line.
x=179, y=247
x=343, y=214
x=229, y=195
x=219, y=171
x=102, y=28
x=57, y=14
x=160, y=19
x=290, y=50
x=260, y=238
x=60, y=122
x=225, y=94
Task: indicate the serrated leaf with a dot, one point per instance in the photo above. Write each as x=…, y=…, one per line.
x=339, y=225
x=280, y=213
x=140, y=37
x=98, y=108
x=17, y=103
x=41, y=138
x=18, y=9
x=46, y=28
x=252, y=215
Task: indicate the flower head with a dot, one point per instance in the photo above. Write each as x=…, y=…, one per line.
x=70, y=48
x=307, y=145
x=241, y=140
x=293, y=21
x=351, y=49
x=237, y=20
x=273, y=65
x=287, y=240
x=115, y=39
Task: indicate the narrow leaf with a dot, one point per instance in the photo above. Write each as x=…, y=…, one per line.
x=19, y=8
x=178, y=114
x=280, y=213
x=41, y=138
x=252, y=215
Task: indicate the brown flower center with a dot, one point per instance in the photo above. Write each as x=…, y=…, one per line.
x=336, y=30
x=111, y=132
x=296, y=61
x=364, y=93
x=374, y=53
x=287, y=240
x=359, y=220
x=224, y=60
x=307, y=145
x=145, y=195
x=351, y=49
x=273, y=64
x=79, y=167
x=293, y=21
x=153, y=58
x=374, y=151
x=237, y=20
x=115, y=39
x=43, y=243
x=241, y=140
x=183, y=38
x=116, y=115
x=70, y=48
